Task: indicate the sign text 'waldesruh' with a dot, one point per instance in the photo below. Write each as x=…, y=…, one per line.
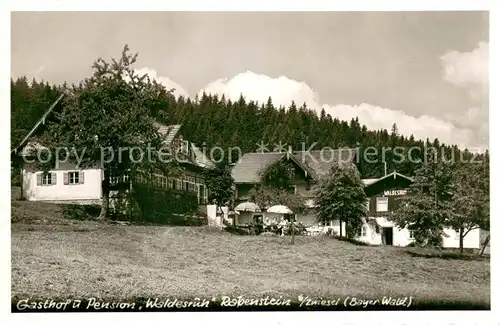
x=394, y=192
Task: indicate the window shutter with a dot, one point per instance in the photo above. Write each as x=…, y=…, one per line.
x=66, y=178
x=80, y=177
x=39, y=180
x=54, y=178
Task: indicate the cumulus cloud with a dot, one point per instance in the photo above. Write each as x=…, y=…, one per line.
x=259, y=87
x=375, y=117
x=283, y=90
x=168, y=83
x=468, y=69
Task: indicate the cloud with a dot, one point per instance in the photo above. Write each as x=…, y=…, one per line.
x=375, y=117
x=468, y=69
x=168, y=83
x=283, y=90
x=259, y=87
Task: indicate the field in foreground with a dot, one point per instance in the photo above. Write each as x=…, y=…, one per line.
x=86, y=259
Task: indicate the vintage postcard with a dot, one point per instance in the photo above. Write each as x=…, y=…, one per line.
x=175, y=161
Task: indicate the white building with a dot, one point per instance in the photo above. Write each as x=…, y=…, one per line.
x=384, y=194
x=68, y=184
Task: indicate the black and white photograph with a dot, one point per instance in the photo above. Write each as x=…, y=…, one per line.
x=189, y=161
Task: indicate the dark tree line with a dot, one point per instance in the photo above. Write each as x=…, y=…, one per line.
x=211, y=120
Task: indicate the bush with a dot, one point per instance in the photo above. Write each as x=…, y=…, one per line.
x=255, y=229
x=428, y=238
x=15, y=177
x=80, y=212
x=196, y=220
x=164, y=206
x=448, y=254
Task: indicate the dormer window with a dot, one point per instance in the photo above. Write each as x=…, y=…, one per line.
x=185, y=147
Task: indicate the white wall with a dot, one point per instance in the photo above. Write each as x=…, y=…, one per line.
x=89, y=190
x=212, y=215
x=471, y=240
x=401, y=237
x=307, y=219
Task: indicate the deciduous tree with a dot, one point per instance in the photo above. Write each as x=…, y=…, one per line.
x=107, y=121
x=340, y=196
x=428, y=205
x=471, y=202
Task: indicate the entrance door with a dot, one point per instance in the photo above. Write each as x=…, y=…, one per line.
x=387, y=234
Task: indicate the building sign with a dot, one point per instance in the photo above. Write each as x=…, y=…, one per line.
x=394, y=192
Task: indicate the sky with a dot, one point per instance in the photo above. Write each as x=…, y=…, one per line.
x=425, y=71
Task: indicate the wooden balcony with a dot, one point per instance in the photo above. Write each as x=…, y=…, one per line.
x=116, y=180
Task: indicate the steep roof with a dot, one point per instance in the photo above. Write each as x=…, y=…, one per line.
x=394, y=175
x=27, y=146
x=321, y=161
x=316, y=163
x=368, y=181
x=38, y=124
x=169, y=131
x=392, y=180
x=250, y=165
x=200, y=158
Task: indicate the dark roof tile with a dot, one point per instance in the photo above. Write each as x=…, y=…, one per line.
x=317, y=162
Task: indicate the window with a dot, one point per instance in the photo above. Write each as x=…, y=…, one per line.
x=160, y=181
x=170, y=183
x=46, y=179
x=368, y=205
x=202, y=194
x=140, y=178
x=74, y=177
x=326, y=223
x=362, y=231
x=411, y=234
x=382, y=204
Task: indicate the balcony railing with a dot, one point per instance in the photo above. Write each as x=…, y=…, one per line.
x=116, y=180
